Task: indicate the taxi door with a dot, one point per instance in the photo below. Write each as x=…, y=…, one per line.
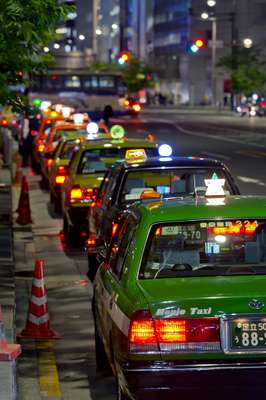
x=111, y=300
x=103, y=213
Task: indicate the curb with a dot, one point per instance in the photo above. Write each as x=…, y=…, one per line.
x=8, y=365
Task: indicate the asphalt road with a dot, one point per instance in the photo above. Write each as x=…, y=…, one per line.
x=66, y=369
x=237, y=143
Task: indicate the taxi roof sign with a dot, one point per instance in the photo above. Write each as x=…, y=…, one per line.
x=215, y=186
x=136, y=155
x=117, y=132
x=150, y=194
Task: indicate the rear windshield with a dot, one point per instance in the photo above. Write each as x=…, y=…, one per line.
x=202, y=248
x=170, y=182
x=65, y=132
x=67, y=150
x=98, y=160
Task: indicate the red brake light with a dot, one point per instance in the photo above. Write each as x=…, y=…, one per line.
x=136, y=107
x=60, y=179
x=48, y=162
x=76, y=194
x=114, y=229
x=61, y=169
x=191, y=334
x=4, y=122
x=142, y=330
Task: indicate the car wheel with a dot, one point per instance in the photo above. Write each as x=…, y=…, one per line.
x=57, y=205
x=70, y=233
x=92, y=266
x=102, y=363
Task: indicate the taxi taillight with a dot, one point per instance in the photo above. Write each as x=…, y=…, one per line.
x=41, y=148
x=48, y=162
x=60, y=179
x=78, y=194
x=173, y=334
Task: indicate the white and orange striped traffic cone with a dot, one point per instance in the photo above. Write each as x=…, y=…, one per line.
x=38, y=322
x=8, y=352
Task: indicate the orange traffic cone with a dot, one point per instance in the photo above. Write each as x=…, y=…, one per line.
x=24, y=214
x=38, y=322
x=8, y=352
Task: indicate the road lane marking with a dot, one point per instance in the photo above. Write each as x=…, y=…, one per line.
x=216, y=155
x=252, y=153
x=48, y=374
x=225, y=139
x=247, y=179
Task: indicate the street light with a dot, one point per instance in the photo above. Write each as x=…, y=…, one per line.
x=247, y=42
x=211, y=3
x=205, y=15
x=46, y=49
x=57, y=46
x=81, y=37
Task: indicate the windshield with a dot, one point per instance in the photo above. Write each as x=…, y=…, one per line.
x=224, y=247
x=170, y=182
x=98, y=160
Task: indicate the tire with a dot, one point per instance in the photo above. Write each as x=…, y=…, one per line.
x=70, y=233
x=57, y=205
x=92, y=266
x=102, y=363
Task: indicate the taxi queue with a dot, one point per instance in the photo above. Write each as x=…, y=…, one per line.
x=177, y=258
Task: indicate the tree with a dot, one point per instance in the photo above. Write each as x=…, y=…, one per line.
x=247, y=70
x=137, y=75
x=26, y=27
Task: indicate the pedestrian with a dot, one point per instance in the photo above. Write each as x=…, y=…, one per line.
x=107, y=114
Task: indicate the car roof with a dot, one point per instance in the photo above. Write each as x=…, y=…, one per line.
x=200, y=208
x=125, y=142
x=184, y=161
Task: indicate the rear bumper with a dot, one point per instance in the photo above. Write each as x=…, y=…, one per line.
x=224, y=381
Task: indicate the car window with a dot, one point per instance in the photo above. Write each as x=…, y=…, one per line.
x=200, y=248
x=170, y=182
x=119, y=247
x=109, y=189
x=67, y=150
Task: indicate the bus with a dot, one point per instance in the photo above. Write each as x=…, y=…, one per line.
x=85, y=91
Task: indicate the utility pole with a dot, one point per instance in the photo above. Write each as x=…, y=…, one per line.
x=214, y=47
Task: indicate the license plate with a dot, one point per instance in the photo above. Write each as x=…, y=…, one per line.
x=248, y=334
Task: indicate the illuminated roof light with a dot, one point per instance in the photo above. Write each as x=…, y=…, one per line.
x=45, y=105
x=215, y=186
x=117, y=132
x=220, y=239
x=92, y=128
x=133, y=155
x=66, y=111
x=165, y=150
x=78, y=118
x=58, y=107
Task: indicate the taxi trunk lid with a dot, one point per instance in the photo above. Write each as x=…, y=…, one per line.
x=225, y=310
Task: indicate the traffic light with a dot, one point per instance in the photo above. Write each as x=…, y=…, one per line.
x=124, y=58
x=197, y=44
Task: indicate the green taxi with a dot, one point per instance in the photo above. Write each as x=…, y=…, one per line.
x=59, y=169
x=180, y=299
x=86, y=172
